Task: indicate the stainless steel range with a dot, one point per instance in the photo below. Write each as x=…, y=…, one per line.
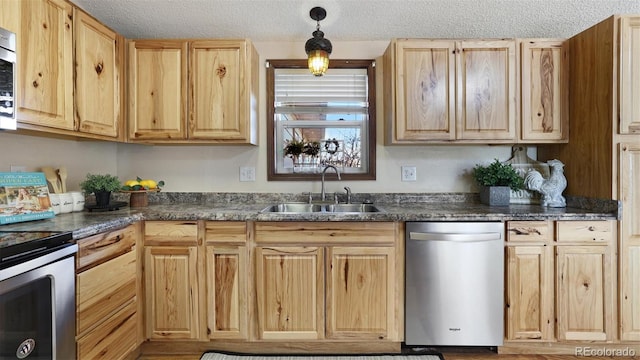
x=37, y=295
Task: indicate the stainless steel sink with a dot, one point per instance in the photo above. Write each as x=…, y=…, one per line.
x=293, y=208
x=352, y=208
x=297, y=208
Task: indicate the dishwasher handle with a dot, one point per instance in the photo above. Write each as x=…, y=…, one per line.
x=459, y=237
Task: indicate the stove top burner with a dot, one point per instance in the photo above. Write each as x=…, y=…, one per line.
x=16, y=246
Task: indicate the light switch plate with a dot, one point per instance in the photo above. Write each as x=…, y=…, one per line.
x=409, y=173
x=18, y=168
x=247, y=173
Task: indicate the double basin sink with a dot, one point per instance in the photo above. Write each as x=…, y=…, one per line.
x=296, y=208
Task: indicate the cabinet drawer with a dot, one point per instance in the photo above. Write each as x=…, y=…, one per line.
x=529, y=231
x=103, y=289
x=225, y=232
x=99, y=248
x=170, y=233
x=304, y=233
x=114, y=340
x=584, y=231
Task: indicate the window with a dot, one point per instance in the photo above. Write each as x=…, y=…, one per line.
x=317, y=121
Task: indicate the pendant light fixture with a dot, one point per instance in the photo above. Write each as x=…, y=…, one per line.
x=318, y=48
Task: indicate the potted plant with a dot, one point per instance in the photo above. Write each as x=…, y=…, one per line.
x=496, y=181
x=101, y=186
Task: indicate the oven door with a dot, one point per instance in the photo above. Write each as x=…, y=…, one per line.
x=37, y=308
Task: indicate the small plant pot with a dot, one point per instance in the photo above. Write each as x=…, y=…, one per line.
x=495, y=195
x=103, y=198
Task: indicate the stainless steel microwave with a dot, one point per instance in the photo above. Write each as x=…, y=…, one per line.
x=7, y=79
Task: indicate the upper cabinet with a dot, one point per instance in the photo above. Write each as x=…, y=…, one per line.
x=219, y=105
x=99, y=55
x=469, y=91
x=45, y=64
x=445, y=90
x=544, y=76
x=157, y=91
x=629, y=76
x=61, y=49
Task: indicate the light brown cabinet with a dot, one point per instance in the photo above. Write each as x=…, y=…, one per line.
x=629, y=257
x=45, y=65
x=193, y=91
x=445, y=90
x=171, y=283
x=99, y=56
x=544, y=76
x=68, y=71
x=357, y=262
x=226, y=260
x=530, y=281
x=290, y=292
x=629, y=76
x=108, y=320
x=571, y=298
x=603, y=146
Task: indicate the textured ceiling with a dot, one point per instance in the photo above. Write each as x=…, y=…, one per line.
x=347, y=20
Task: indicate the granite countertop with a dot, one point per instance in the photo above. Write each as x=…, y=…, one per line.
x=247, y=207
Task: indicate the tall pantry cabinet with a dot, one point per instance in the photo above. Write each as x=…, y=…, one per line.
x=603, y=154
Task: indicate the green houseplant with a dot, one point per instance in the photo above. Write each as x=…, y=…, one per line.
x=101, y=186
x=496, y=181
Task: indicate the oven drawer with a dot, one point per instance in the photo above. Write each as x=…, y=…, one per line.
x=99, y=248
x=103, y=289
x=114, y=339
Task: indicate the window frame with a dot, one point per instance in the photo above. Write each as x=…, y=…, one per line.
x=369, y=65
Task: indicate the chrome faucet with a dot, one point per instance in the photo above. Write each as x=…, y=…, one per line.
x=322, y=195
x=348, y=190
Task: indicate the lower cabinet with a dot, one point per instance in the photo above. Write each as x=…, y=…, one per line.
x=581, y=279
x=107, y=300
x=331, y=281
x=233, y=284
x=171, y=282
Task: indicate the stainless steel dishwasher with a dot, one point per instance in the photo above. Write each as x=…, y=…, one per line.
x=454, y=283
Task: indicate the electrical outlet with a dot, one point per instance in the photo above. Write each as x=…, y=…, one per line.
x=247, y=173
x=409, y=173
x=18, y=168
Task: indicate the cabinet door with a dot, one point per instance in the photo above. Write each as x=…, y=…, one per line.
x=98, y=62
x=585, y=291
x=425, y=90
x=10, y=15
x=290, y=291
x=486, y=91
x=45, y=64
x=218, y=91
x=171, y=292
x=530, y=312
x=629, y=76
x=630, y=242
x=227, y=302
x=360, y=293
x=157, y=89
x=544, y=91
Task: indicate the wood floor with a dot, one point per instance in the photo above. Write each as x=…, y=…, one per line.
x=447, y=356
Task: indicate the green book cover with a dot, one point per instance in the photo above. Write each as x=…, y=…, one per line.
x=24, y=197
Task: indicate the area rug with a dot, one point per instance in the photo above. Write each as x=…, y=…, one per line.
x=235, y=356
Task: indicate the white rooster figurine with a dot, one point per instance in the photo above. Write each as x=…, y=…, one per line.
x=551, y=189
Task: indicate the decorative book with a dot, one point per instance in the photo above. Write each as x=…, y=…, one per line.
x=24, y=197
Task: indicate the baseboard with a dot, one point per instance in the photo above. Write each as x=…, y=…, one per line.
x=621, y=349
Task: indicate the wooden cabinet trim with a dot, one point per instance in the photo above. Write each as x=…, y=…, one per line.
x=325, y=233
x=225, y=232
x=530, y=231
x=585, y=231
x=171, y=233
x=97, y=249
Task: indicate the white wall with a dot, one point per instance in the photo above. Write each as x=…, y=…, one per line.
x=213, y=168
